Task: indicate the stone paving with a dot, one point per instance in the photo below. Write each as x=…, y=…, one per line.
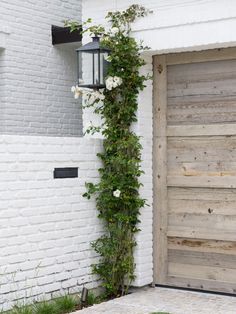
x=150, y=300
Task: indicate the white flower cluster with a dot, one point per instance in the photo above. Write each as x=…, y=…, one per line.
x=116, y=193
x=114, y=31
x=77, y=91
x=90, y=96
x=113, y=82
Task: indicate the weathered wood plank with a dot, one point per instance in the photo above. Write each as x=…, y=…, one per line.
x=201, y=56
x=202, y=259
x=204, y=194
x=204, y=181
x=203, y=89
x=202, y=168
x=201, y=233
x=202, y=245
x=160, y=170
x=202, y=156
x=217, y=274
x=201, y=130
x=208, y=220
x=201, y=284
x=202, y=93
x=212, y=207
x=186, y=110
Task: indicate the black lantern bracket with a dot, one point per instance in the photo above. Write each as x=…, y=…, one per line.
x=63, y=35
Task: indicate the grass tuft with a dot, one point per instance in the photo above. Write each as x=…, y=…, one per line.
x=21, y=310
x=65, y=304
x=45, y=308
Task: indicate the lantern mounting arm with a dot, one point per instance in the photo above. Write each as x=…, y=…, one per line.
x=63, y=35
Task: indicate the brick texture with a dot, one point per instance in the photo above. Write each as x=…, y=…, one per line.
x=35, y=76
x=46, y=224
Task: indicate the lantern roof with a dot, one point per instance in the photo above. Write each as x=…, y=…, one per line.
x=94, y=45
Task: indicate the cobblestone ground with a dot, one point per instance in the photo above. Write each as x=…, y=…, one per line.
x=151, y=300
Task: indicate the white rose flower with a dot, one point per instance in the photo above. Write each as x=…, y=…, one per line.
x=102, y=97
x=92, y=98
x=114, y=31
x=113, y=82
x=117, y=193
x=109, y=83
x=76, y=95
x=99, y=95
x=78, y=91
x=117, y=80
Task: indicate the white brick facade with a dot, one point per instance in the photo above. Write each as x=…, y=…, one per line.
x=37, y=76
x=46, y=224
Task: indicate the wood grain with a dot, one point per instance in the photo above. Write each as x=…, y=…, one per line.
x=202, y=245
x=160, y=170
x=196, y=201
x=201, y=130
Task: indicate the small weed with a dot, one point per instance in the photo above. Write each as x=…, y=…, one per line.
x=92, y=299
x=45, y=308
x=21, y=310
x=65, y=304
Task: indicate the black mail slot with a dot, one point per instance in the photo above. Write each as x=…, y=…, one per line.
x=63, y=173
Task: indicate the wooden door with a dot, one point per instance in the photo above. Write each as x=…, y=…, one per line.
x=195, y=170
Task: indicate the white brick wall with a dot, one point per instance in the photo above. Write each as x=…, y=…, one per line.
x=175, y=25
x=37, y=76
x=46, y=224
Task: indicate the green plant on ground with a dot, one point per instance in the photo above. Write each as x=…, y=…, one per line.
x=21, y=310
x=45, y=307
x=93, y=299
x=62, y=305
x=117, y=194
x=65, y=304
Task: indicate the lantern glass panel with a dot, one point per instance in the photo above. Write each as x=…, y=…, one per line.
x=85, y=68
x=96, y=80
x=104, y=67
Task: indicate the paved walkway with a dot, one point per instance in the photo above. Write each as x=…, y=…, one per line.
x=172, y=301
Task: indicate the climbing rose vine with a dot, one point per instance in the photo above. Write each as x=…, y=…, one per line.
x=117, y=194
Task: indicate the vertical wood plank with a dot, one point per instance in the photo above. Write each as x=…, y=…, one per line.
x=160, y=169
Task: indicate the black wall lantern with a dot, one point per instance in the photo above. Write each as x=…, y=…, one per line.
x=92, y=64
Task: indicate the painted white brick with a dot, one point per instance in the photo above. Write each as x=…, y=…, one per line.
x=46, y=224
x=36, y=77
